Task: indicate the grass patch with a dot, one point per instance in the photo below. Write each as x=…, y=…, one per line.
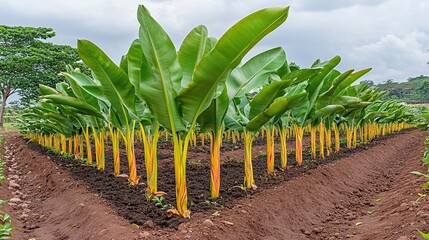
x=9, y=127
x=5, y=222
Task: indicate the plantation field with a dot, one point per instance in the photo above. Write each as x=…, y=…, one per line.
x=362, y=193
x=193, y=142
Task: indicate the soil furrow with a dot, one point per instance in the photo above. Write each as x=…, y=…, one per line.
x=364, y=193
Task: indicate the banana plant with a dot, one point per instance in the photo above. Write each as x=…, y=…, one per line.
x=303, y=115
x=176, y=97
x=60, y=123
x=90, y=109
x=204, y=87
x=283, y=120
x=423, y=120
x=116, y=88
x=332, y=100
x=243, y=79
x=290, y=87
x=76, y=79
x=133, y=63
x=251, y=116
x=351, y=118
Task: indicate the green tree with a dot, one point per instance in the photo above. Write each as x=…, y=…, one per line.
x=27, y=59
x=368, y=82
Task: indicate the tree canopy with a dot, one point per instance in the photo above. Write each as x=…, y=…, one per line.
x=27, y=60
x=414, y=90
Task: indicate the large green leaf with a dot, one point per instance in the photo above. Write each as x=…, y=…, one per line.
x=116, y=87
x=137, y=67
x=88, y=84
x=158, y=86
x=234, y=119
x=226, y=55
x=254, y=72
x=63, y=88
x=301, y=75
x=346, y=100
x=124, y=64
x=350, y=80
x=280, y=105
x=75, y=79
x=46, y=90
x=191, y=51
x=328, y=96
x=315, y=84
x=212, y=118
x=328, y=110
x=266, y=96
x=298, y=110
x=73, y=102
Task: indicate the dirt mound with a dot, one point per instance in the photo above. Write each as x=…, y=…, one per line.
x=51, y=204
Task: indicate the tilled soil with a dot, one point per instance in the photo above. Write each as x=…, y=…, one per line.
x=365, y=195
x=47, y=203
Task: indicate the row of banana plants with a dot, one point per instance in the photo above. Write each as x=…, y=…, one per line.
x=205, y=88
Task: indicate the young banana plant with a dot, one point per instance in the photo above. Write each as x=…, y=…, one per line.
x=115, y=87
x=303, y=115
x=284, y=119
x=251, y=116
x=90, y=112
x=243, y=79
x=332, y=100
x=178, y=88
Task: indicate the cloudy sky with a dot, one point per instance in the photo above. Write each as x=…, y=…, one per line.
x=391, y=36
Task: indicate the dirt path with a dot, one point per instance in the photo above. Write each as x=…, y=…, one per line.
x=367, y=195
x=47, y=204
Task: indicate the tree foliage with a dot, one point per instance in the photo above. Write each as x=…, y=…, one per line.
x=27, y=59
x=414, y=90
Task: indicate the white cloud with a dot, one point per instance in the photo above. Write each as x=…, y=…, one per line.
x=389, y=35
x=393, y=56
x=329, y=5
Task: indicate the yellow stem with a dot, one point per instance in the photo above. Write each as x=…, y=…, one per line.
x=249, y=181
x=150, y=145
x=114, y=134
x=270, y=133
x=202, y=137
x=129, y=145
x=337, y=138
x=233, y=137
x=299, y=132
x=215, y=144
x=283, y=147
x=180, y=154
x=76, y=152
x=63, y=144
x=70, y=143
x=322, y=140
x=328, y=137
x=349, y=134
x=313, y=142
x=88, y=147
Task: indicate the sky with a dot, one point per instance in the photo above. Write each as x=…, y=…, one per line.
x=390, y=36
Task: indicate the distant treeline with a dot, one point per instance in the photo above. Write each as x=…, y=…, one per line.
x=414, y=90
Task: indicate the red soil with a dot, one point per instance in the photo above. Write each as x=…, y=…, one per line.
x=364, y=195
